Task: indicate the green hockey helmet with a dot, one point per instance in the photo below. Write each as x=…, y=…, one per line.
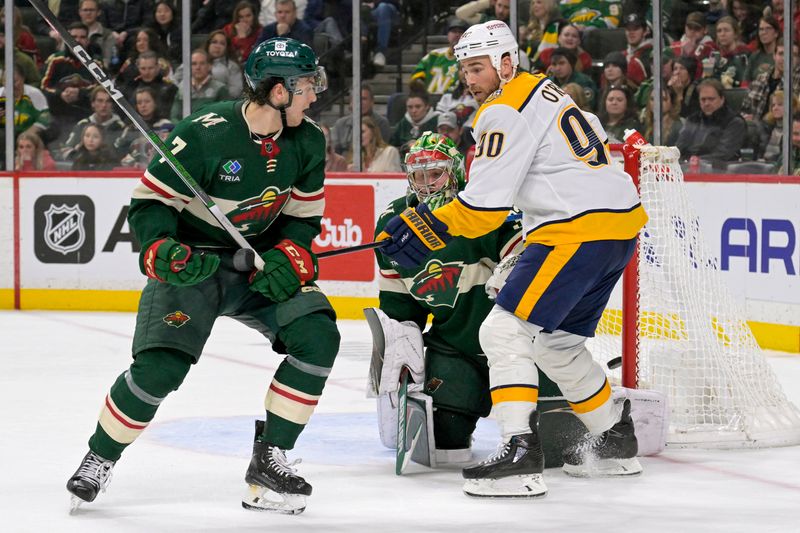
x=287, y=60
x=435, y=169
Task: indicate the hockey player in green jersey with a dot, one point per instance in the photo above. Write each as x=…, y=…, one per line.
x=262, y=162
x=450, y=287
x=448, y=371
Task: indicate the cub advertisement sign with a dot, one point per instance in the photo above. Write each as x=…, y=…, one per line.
x=349, y=220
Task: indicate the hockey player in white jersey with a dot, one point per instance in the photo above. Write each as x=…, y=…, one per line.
x=538, y=151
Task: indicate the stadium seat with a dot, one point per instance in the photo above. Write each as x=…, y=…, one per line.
x=199, y=40
x=395, y=108
x=30, y=17
x=735, y=97
x=751, y=167
x=598, y=43
x=46, y=46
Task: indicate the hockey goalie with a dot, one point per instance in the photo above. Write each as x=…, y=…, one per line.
x=432, y=388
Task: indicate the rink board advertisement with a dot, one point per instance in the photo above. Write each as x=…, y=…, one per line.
x=76, y=251
x=75, y=244
x=752, y=230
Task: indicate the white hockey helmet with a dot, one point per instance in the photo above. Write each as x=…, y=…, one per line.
x=493, y=39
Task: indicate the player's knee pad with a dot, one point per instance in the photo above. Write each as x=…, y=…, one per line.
x=159, y=371
x=312, y=340
x=565, y=359
x=562, y=356
x=395, y=346
x=453, y=430
x=504, y=336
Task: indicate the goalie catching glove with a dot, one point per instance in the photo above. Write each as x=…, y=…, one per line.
x=169, y=261
x=286, y=268
x=412, y=235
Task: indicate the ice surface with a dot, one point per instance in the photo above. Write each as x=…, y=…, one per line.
x=186, y=472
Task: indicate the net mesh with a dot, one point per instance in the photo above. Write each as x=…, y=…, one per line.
x=693, y=342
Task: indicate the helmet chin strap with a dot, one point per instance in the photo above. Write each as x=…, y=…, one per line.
x=282, y=108
x=503, y=81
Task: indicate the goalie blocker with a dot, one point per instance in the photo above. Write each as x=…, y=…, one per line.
x=399, y=347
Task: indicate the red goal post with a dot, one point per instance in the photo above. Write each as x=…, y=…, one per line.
x=680, y=331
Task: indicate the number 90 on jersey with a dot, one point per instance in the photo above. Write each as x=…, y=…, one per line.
x=490, y=144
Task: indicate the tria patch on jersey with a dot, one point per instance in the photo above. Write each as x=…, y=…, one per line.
x=176, y=319
x=437, y=284
x=230, y=170
x=254, y=215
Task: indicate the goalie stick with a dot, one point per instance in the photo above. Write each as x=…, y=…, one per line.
x=244, y=259
x=102, y=78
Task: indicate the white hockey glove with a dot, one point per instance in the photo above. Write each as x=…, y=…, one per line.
x=395, y=345
x=500, y=274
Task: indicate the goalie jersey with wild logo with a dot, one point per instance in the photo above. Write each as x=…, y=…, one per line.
x=270, y=188
x=449, y=286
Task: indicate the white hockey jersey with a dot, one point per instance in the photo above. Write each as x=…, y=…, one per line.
x=538, y=151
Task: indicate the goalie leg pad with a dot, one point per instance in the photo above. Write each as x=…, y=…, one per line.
x=395, y=345
x=650, y=414
x=565, y=359
x=507, y=342
x=419, y=415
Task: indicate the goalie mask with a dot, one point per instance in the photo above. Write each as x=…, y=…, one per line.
x=435, y=169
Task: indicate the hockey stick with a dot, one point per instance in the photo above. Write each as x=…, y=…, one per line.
x=358, y=248
x=103, y=79
x=404, y=448
x=244, y=259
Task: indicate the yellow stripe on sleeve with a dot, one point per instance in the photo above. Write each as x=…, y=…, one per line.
x=471, y=223
x=593, y=402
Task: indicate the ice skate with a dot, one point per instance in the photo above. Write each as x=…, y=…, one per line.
x=92, y=476
x=513, y=471
x=612, y=453
x=273, y=484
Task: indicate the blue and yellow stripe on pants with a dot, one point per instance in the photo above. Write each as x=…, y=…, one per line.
x=594, y=401
x=566, y=286
x=517, y=392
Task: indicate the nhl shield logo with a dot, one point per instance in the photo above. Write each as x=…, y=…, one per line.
x=64, y=231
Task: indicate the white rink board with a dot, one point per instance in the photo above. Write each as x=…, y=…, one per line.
x=6, y=232
x=116, y=268
x=772, y=289
x=772, y=296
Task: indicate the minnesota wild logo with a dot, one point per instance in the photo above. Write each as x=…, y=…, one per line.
x=437, y=284
x=176, y=319
x=252, y=216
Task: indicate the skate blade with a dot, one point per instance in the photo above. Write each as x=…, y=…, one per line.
x=74, y=504
x=524, y=486
x=605, y=468
x=263, y=499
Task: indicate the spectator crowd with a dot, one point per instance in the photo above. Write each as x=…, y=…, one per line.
x=722, y=75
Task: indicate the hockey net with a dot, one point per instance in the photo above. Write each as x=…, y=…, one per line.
x=686, y=335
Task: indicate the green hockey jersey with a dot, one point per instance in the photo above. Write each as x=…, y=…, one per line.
x=449, y=286
x=270, y=189
x=592, y=13
x=438, y=69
